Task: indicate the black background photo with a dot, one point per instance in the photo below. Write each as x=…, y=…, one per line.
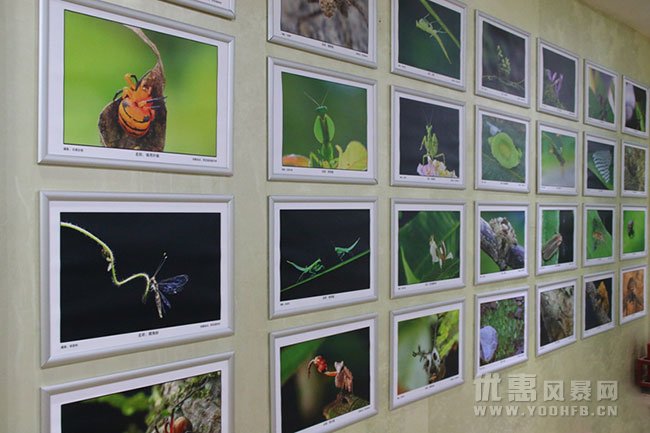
x=563, y=65
x=414, y=116
x=591, y=320
x=514, y=48
x=309, y=234
x=92, y=306
x=567, y=227
x=640, y=96
x=592, y=180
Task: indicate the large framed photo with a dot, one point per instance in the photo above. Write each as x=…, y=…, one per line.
x=557, y=160
x=427, y=251
x=557, y=80
x=556, y=238
x=194, y=395
x=346, y=30
x=501, y=242
x=600, y=166
x=322, y=252
x=633, y=303
x=601, y=96
x=321, y=125
x=599, y=303
x=502, y=149
x=161, y=263
x=159, y=97
x=502, y=61
x=428, y=40
x=501, y=330
x=634, y=220
x=323, y=377
x=224, y=8
x=426, y=351
x=556, y=315
x=428, y=140
x=635, y=108
x=634, y=175
x=598, y=234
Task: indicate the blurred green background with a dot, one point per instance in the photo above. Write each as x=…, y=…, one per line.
x=97, y=54
x=553, y=172
x=518, y=221
x=491, y=168
x=346, y=105
x=633, y=242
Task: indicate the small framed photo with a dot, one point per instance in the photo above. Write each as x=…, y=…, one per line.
x=557, y=160
x=598, y=234
x=601, y=96
x=223, y=8
x=345, y=30
x=556, y=315
x=323, y=252
x=634, y=220
x=501, y=242
x=600, y=166
x=428, y=140
x=501, y=330
x=599, y=303
x=635, y=108
x=502, y=149
x=426, y=351
x=634, y=175
x=321, y=125
x=428, y=40
x=502, y=61
x=194, y=395
x=556, y=238
x=333, y=367
x=633, y=293
x=113, y=110
x=427, y=246
x=557, y=80
x=162, y=263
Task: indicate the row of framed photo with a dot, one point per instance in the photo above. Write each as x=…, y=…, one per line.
x=334, y=364
x=322, y=124
x=142, y=254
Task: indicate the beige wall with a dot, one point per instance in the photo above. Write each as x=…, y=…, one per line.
x=606, y=356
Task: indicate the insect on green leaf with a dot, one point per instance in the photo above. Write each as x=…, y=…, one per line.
x=424, y=25
x=323, y=124
x=342, y=251
x=312, y=269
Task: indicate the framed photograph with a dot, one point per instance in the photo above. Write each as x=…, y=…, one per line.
x=601, y=96
x=633, y=293
x=113, y=110
x=556, y=315
x=321, y=125
x=428, y=41
x=556, y=238
x=634, y=220
x=557, y=80
x=426, y=351
x=428, y=140
x=557, y=160
x=194, y=395
x=501, y=242
x=502, y=143
x=600, y=166
x=501, y=330
x=598, y=234
x=345, y=30
x=162, y=263
x=224, y=8
x=502, y=61
x=634, y=175
x=323, y=252
x=635, y=108
x=428, y=240
x=323, y=377
x=599, y=303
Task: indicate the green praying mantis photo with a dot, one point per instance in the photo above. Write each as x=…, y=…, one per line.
x=324, y=130
x=341, y=252
x=430, y=144
x=310, y=270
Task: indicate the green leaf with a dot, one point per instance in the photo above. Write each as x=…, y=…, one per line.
x=292, y=357
x=410, y=276
x=127, y=405
x=550, y=227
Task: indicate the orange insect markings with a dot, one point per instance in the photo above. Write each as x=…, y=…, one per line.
x=136, y=110
x=319, y=363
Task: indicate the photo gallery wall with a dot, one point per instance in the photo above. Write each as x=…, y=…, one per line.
x=583, y=180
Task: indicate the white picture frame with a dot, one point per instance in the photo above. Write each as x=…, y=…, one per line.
x=600, y=166
x=602, y=297
x=558, y=158
x=565, y=64
x=629, y=308
x=604, y=86
x=222, y=8
x=547, y=343
x=564, y=245
x=632, y=98
x=630, y=185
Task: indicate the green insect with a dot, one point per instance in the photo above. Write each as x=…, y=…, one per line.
x=430, y=143
x=342, y=251
x=556, y=151
x=425, y=25
x=310, y=270
x=324, y=130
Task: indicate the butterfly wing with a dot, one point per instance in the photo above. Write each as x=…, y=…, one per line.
x=173, y=285
x=602, y=161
